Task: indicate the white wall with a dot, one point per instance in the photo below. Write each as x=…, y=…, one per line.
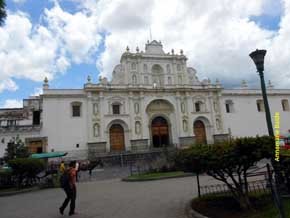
x=247, y=121
x=63, y=130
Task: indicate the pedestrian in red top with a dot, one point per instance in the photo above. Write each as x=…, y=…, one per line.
x=68, y=183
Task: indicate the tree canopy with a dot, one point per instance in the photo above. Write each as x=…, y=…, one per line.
x=2, y=12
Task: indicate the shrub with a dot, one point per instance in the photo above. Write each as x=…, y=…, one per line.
x=6, y=179
x=228, y=162
x=26, y=169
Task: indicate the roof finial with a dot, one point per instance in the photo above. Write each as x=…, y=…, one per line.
x=127, y=49
x=244, y=84
x=181, y=51
x=217, y=82
x=270, y=85
x=45, y=83
x=137, y=49
x=89, y=79
x=172, y=51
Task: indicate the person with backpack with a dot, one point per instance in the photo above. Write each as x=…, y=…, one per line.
x=68, y=183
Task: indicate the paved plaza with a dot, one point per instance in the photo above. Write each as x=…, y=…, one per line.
x=109, y=198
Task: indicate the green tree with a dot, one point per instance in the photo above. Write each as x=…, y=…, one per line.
x=26, y=169
x=15, y=149
x=228, y=162
x=2, y=12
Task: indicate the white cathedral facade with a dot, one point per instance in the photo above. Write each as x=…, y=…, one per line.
x=153, y=100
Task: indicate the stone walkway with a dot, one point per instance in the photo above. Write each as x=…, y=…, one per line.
x=107, y=199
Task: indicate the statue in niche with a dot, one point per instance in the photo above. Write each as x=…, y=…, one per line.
x=182, y=107
x=136, y=108
x=218, y=124
x=96, y=108
x=185, y=126
x=96, y=130
x=215, y=106
x=137, y=127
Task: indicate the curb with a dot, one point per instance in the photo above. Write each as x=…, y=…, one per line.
x=190, y=213
x=8, y=193
x=154, y=179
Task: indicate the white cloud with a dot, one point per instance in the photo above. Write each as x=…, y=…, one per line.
x=12, y=103
x=216, y=36
x=8, y=84
x=35, y=51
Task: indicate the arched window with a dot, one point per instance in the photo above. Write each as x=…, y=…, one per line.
x=116, y=108
x=178, y=67
x=285, y=105
x=260, y=105
x=229, y=106
x=198, y=106
x=76, y=109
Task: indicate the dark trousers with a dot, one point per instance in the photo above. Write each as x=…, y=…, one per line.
x=71, y=194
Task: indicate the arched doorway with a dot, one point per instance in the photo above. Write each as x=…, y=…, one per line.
x=117, y=139
x=160, y=132
x=199, y=132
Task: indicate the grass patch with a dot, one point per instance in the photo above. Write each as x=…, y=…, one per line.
x=148, y=176
x=285, y=152
x=227, y=207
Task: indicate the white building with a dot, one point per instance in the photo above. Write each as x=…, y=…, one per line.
x=154, y=99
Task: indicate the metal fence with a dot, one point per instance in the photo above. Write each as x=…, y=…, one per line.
x=258, y=186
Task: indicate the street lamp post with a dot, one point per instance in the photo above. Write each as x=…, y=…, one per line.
x=258, y=58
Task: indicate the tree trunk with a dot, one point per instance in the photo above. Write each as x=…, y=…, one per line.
x=244, y=202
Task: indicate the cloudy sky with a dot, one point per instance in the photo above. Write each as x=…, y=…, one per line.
x=67, y=40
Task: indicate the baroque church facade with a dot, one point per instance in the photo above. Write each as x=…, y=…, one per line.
x=153, y=100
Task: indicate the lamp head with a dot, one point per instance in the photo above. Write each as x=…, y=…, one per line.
x=258, y=58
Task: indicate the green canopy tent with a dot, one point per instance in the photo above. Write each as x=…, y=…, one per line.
x=48, y=155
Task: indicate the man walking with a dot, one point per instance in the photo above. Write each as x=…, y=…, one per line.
x=68, y=183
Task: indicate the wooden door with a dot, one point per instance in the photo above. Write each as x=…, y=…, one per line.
x=35, y=147
x=117, y=139
x=199, y=131
x=160, y=132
